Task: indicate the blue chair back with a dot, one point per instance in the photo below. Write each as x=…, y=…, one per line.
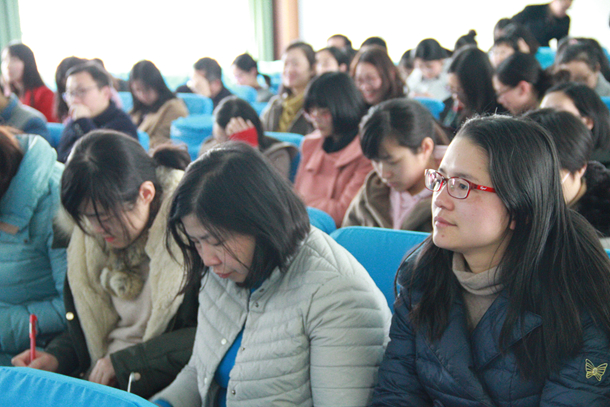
x=144, y=139
x=608, y=252
x=192, y=131
x=321, y=220
x=435, y=106
x=546, y=56
x=247, y=93
x=197, y=104
x=380, y=251
x=259, y=106
x=26, y=387
x=127, y=100
x=55, y=130
x=606, y=100
x=293, y=138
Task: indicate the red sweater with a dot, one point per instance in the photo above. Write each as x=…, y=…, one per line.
x=41, y=99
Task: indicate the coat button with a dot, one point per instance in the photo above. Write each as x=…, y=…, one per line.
x=205, y=380
x=233, y=392
x=223, y=342
x=69, y=316
x=256, y=304
x=243, y=349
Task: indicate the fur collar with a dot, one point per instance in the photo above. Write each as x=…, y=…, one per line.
x=87, y=256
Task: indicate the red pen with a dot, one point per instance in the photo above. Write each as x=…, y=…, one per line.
x=33, y=320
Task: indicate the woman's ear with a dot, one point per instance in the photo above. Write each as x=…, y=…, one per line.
x=427, y=146
x=588, y=122
x=147, y=192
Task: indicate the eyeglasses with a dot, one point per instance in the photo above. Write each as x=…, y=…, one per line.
x=502, y=92
x=458, y=188
x=79, y=93
x=316, y=114
x=367, y=80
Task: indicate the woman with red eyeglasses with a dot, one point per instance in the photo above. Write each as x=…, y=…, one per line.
x=332, y=167
x=508, y=302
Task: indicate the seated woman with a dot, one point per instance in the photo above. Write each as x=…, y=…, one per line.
x=32, y=269
x=471, y=88
x=520, y=83
x=376, y=76
x=332, y=167
x=245, y=71
x=285, y=111
x=584, y=103
x=286, y=315
x=503, y=48
x=402, y=140
x=586, y=183
x=127, y=309
x=235, y=119
x=331, y=59
x=582, y=61
x=20, y=76
x=155, y=107
x=429, y=79
x=508, y=302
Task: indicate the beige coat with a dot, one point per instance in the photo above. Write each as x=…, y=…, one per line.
x=314, y=335
x=371, y=207
x=157, y=125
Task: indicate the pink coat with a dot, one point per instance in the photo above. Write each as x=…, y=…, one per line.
x=330, y=181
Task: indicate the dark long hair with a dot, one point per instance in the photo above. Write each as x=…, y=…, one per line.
x=474, y=71
x=233, y=189
x=149, y=75
x=246, y=63
x=553, y=266
x=336, y=92
x=392, y=82
x=10, y=158
x=233, y=106
x=590, y=105
x=524, y=67
x=31, y=76
x=107, y=168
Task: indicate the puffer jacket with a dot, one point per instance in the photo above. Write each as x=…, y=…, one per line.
x=464, y=369
x=32, y=272
x=313, y=335
x=170, y=330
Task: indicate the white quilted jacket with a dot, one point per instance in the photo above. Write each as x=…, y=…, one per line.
x=313, y=336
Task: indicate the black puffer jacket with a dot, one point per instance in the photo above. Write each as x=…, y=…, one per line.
x=594, y=205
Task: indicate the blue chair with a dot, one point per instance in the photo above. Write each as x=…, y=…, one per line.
x=127, y=100
x=435, y=106
x=321, y=220
x=380, y=251
x=293, y=138
x=606, y=100
x=144, y=139
x=192, y=131
x=197, y=104
x=259, y=107
x=546, y=56
x=608, y=252
x=247, y=93
x=55, y=130
x=26, y=387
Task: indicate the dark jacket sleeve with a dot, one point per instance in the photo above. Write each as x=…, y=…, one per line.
x=159, y=360
x=398, y=382
x=570, y=386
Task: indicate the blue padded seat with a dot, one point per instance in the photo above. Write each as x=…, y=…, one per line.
x=247, y=93
x=55, y=130
x=192, y=131
x=606, y=100
x=321, y=220
x=435, y=106
x=127, y=100
x=27, y=387
x=197, y=104
x=293, y=138
x=144, y=139
x=546, y=56
x=380, y=251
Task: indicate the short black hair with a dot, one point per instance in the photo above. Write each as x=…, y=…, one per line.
x=98, y=73
x=377, y=41
x=339, y=54
x=337, y=92
x=231, y=107
x=212, y=71
x=430, y=50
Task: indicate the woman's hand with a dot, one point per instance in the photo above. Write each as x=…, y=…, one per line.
x=236, y=125
x=103, y=373
x=43, y=361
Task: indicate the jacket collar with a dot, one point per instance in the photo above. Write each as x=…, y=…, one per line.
x=340, y=158
x=463, y=354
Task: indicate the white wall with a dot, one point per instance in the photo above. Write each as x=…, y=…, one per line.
x=403, y=23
